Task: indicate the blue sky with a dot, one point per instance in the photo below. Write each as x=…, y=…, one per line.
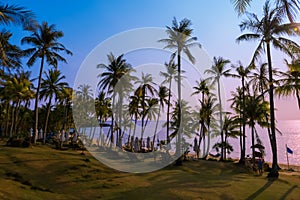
x=88, y=23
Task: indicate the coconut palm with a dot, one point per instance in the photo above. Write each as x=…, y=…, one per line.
x=255, y=111
x=290, y=7
x=218, y=70
x=242, y=73
x=163, y=94
x=230, y=129
x=9, y=54
x=270, y=30
x=116, y=69
x=103, y=111
x=17, y=88
x=201, y=88
x=51, y=86
x=146, y=84
x=65, y=100
x=290, y=81
x=46, y=48
x=169, y=76
x=181, y=40
x=17, y=15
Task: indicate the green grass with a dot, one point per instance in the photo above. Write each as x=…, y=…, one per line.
x=44, y=173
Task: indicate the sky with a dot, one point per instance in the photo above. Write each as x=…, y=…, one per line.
x=86, y=24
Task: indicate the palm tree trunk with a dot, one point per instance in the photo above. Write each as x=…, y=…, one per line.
x=17, y=116
x=36, y=105
x=12, y=120
x=47, y=119
x=274, y=171
x=112, y=121
x=178, y=149
x=221, y=121
x=298, y=98
x=6, y=118
x=155, y=130
x=168, y=112
x=252, y=141
x=243, y=151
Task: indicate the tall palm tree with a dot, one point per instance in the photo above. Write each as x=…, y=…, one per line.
x=51, y=86
x=290, y=81
x=17, y=15
x=146, y=84
x=116, y=69
x=203, y=89
x=169, y=76
x=218, y=70
x=163, y=94
x=242, y=73
x=46, y=48
x=180, y=39
x=255, y=111
x=270, y=31
x=291, y=7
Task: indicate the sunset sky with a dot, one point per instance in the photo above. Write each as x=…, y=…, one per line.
x=88, y=23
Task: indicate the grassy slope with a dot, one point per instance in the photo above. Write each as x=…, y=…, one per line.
x=44, y=173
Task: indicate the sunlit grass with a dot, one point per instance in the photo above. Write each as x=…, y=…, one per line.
x=44, y=173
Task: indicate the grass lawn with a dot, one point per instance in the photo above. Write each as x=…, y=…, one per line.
x=41, y=172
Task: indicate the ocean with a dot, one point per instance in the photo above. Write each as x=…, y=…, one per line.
x=290, y=136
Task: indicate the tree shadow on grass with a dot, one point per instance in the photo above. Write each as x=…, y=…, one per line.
x=285, y=195
x=260, y=190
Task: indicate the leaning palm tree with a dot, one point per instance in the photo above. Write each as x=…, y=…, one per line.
x=116, y=70
x=169, y=76
x=291, y=7
x=180, y=39
x=270, y=30
x=163, y=93
x=51, y=86
x=218, y=70
x=46, y=48
x=290, y=81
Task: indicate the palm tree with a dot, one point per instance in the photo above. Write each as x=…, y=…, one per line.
x=242, y=73
x=45, y=47
x=17, y=88
x=290, y=81
x=291, y=7
x=217, y=71
x=202, y=89
x=103, y=111
x=51, y=86
x=114, y=72
x=255, y=111
x=145, y=85
x=270, y=30
x=17, y=15
x=9, y=54
x=65, y=100
x=230, y=131
x=163, y=94
x=180, y=39
x=169, y=76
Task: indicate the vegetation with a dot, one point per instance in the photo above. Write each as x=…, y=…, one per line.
x=125, y=107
